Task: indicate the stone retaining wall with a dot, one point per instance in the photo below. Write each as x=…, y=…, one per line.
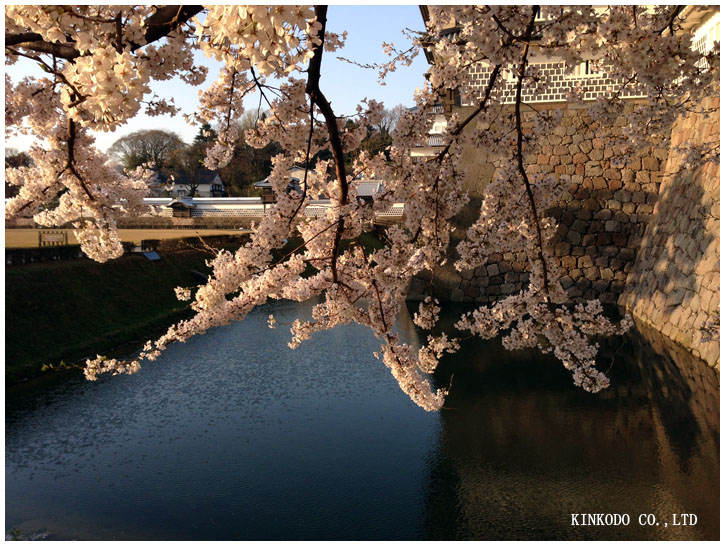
x=627, y=236
x=674, y=284
x=601, y=218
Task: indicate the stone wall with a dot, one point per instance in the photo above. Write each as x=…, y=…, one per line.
x=674, y=284
x=601, y=218
x=628, y=236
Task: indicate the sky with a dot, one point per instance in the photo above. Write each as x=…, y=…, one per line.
x=344, y=84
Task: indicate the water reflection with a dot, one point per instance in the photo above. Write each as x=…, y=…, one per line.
x=234, y=436
x=521, y=449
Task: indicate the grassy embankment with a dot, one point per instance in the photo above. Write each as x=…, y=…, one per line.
x=67, y=311
x=70, y=310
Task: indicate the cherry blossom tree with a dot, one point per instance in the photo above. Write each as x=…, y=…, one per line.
x=100, y=60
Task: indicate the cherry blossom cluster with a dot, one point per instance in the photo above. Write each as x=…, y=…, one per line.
x=100, y=61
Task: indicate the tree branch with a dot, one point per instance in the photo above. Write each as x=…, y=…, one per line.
x=319, y=99
x=520, y=150
x=162, y=22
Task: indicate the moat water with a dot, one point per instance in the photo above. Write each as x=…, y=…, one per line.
x=234, y=436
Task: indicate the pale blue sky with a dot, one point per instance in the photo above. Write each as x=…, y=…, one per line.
x=344, y=84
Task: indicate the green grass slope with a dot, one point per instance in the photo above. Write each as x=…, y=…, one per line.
x=70, y=310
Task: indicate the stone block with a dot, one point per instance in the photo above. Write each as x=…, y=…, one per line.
x=566, y=282
x=621, y=216
x=623, y=196
x=603, y=214
x=562, y=249
x=642, y=177
x=492, y=270
x=600, y=286
x=604, y=239
x=471, y=292
x=591, y=273
x=609, y=251
x=585, y=262
x=629, y=208
x=574, y=238
x=611, y=225
x=620, y=240
x=675, y=297
x=599, y=183
x=568, y=262
x=612, y=174
x=650, y=164
x=574, y=292
x=593, y=169
x=639, y=197
x=626, y=254
x=613, y=204
x=590, y=294
x=579, y=226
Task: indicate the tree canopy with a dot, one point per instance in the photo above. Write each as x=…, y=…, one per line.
x=99, y=61
x=152, y=147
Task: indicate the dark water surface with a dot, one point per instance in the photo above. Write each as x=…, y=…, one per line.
x=234, y=436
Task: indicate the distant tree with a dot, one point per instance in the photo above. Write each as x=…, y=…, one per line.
x=153, y=147
x=379, y=137
x=187, y=161
x=248, y=164
x=390, y=119
x=205, y=135
x=15, y=159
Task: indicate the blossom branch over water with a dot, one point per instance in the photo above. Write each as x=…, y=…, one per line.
x=100, y=60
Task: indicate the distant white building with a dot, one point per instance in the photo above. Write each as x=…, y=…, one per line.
x=435, y=135
x=201, y=183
